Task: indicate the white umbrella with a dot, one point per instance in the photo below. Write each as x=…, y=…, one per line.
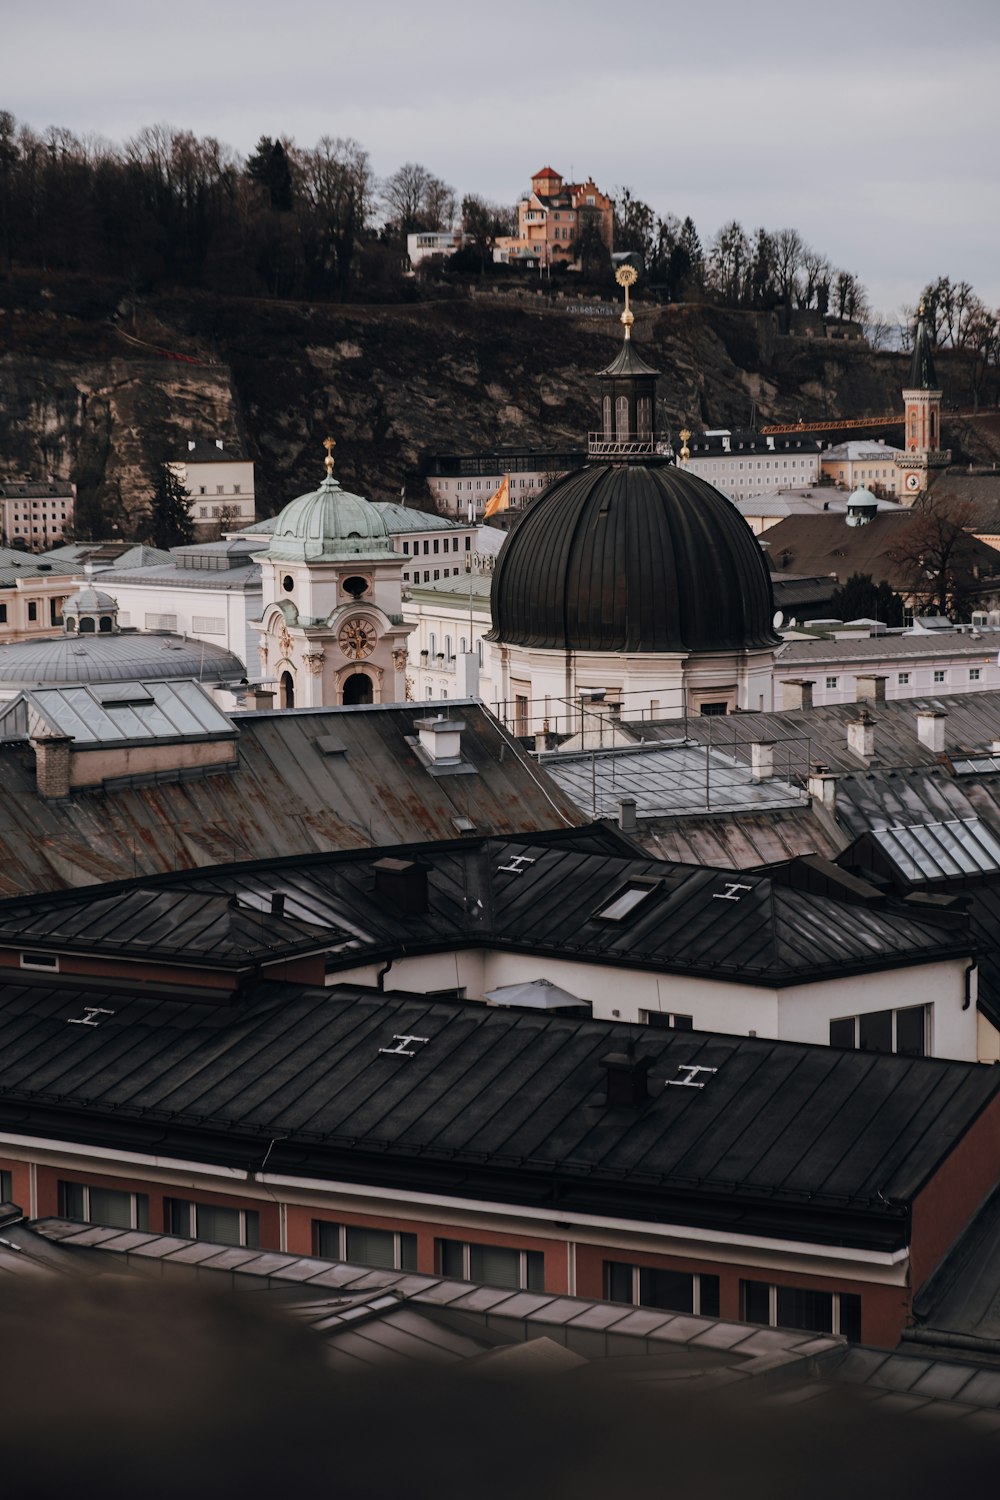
x=537, y=994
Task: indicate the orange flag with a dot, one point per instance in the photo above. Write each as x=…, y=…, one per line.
x=499, y=501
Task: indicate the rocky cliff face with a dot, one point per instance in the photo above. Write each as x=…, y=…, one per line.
x=80, y=400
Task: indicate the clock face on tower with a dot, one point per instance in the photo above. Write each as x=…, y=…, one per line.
x=357, y=637
x=912, y=481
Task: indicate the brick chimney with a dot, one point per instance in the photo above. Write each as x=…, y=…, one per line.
x=869, y=687
x=797, y=692
x=259, y=699
x=52, y=752
x=930, y=729
x=861, y=735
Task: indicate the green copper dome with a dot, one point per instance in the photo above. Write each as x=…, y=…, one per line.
x=329, y=523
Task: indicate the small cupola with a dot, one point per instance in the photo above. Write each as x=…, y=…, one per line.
x=90, y=612
x=628, y=397
x=862, y=507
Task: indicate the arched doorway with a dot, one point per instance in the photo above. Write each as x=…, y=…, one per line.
x=286, y=690
x=357, y=689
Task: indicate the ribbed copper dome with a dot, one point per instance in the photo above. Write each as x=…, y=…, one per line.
x=630, y=558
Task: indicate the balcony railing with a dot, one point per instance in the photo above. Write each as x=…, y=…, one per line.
x=636, y=445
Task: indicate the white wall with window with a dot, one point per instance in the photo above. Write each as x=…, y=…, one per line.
x=797, y=1013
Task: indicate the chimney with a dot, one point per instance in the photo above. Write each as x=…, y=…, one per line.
x=822, y=786
x=52, y=752
x=870, y=688
x=259, y=699
x=762, y=760
x=541, y=741
x=797, y=692
x=403, y=882
x=277, y=903
x=930, y=729
x=626, y=1076
x=627, y=821
x=441, y=740
x=861, y=735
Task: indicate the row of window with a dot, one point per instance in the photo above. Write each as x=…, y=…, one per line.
x=440, y=545
x=903, y=678
x=494, y=1265
x=217, y=510
x=795, y=463
x=904, y=1031
x=220, y=489
x=760, y=1301
x=437, y=573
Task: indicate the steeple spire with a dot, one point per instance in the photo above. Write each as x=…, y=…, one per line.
x=628, y=397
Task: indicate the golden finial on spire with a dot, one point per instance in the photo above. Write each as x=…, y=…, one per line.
x=329, y=444
x=685, y=450
x=921, y=309
x=627, y=276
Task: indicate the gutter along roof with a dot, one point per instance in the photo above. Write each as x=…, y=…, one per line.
x=540, y=894
x=799, y=1141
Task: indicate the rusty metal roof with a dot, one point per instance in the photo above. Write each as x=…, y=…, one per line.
x=307, y=781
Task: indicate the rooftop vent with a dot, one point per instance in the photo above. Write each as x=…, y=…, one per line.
x=797, y=692
x=403, y=882
x=440, y=739
x=861, y=735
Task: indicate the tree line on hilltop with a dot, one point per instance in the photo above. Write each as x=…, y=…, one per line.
x=293, y=222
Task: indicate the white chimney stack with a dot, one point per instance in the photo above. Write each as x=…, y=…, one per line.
x=762, y=760
x=822, y=787
x=930, y=729
x=797, y=692
x=861, y=735
x=191, y=445
x=441, y=740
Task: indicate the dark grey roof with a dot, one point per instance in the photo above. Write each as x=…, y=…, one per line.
x=703, y=443
x=740, y=840
x=206, y=452
x=805, y=735
x=59, y=489
x=635, y=559
x=785, y=1138
x=628, y=361
x=958, y=1307
x=826, y=544
x=401, y=519
x=541, y=894
x=307, y=780
x=115, y=658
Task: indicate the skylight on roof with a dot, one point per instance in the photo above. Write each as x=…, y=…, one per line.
x=623, y=904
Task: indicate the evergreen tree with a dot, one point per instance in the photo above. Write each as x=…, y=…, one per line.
x=861, y=598
x=269, y=167
x=168, y=523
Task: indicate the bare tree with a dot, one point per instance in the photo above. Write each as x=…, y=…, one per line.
x=415, y=199
x=938, y=556
x=788, y=253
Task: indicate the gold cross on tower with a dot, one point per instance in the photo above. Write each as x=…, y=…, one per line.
x=627, y=276
x=329, y=444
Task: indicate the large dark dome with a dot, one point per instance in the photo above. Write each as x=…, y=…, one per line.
x=629, y=558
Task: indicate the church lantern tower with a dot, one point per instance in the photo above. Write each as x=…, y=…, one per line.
x=922, y=402
x=331, y=630
x=627, y=396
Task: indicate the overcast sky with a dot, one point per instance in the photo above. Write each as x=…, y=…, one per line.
x=871, y=126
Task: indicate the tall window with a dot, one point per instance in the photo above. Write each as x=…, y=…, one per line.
x=801, y=1307
x=101, y=1205
x=902, y=1031
x=621, y=417
x=385, y=1248
x=643, y=416
x=674, y=1291
x=496, y=1265
x=606, y=404
x=211, y=1221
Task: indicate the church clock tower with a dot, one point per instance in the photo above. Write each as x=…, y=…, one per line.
x=331, y=630
x=922, y=400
